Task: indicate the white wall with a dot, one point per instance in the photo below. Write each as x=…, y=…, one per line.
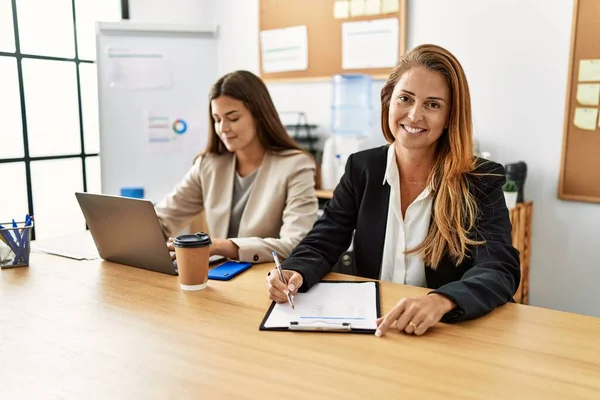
x=515, y=54
x=238, y=35
x=173, y=11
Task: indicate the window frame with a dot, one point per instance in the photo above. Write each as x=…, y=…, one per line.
x=27, y=159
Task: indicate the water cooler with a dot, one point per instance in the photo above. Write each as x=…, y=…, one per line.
x=351, y=114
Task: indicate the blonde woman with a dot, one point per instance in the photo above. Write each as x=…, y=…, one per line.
x=426, y=212
x=255, y=185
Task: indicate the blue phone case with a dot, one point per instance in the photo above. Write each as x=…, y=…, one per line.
x=228, y=270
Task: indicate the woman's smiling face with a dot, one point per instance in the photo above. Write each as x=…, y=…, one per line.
x=419, y=108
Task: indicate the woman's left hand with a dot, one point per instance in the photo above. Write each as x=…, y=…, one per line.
x=225, y=248
x=414, y=315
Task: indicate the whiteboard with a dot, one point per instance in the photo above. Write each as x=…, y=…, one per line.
x=153, y=84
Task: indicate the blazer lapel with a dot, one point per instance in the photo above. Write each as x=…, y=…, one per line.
x=372, y=224
x=222, y=191
x=380, y=214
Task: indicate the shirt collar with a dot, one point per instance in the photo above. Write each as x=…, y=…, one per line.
x=390, y=168
x=392, y=175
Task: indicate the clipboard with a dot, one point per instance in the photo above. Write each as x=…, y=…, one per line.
x=353, y=298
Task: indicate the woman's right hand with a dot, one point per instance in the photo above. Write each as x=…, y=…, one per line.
x=278, y=290
x=171, y=248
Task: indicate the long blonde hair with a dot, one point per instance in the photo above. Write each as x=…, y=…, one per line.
x=455, y=208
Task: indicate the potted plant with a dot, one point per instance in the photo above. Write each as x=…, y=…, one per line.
x=511, y=191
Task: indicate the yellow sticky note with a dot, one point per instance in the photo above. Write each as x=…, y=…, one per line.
x=373, y=7
x=341, y=9
x=585, y=118
x=357, y=8
x=588, y=94
x=389, y=6
x=589, y=70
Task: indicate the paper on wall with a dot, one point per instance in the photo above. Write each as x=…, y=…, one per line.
x=372, y=7
x=370, y=44
x=357, y=8
x=389, y=6
x=585, y=118
x=588, y=94
x=341, y=9
x=284, y=49
x=137, y=69
x=589, y=70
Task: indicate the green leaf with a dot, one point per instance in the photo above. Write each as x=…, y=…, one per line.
x=510, y=186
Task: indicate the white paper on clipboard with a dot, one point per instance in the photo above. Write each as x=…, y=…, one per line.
x=329, y=303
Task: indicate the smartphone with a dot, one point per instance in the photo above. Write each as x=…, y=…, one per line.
x=215, y=259
x=228, y=270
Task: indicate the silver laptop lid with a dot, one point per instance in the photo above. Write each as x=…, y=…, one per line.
x=126, y=231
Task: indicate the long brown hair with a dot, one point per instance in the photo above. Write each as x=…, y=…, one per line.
x=454, y=206
x=249, y=89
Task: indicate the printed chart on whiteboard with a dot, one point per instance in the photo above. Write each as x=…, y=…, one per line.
x=165, y=131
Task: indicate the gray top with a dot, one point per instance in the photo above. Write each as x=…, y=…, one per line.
x=242, y=187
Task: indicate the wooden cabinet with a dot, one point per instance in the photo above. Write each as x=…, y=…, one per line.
x=520, y=217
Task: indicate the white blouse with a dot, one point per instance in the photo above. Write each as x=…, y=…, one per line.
x=404, y=233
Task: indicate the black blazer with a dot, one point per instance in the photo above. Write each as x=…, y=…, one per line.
x=487, y=278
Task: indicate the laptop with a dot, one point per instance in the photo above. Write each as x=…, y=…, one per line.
x=127, y=231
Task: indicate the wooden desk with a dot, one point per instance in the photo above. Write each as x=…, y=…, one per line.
x=324, y=194
x=95, y=329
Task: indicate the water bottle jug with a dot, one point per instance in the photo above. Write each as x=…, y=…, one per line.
x=351, y=109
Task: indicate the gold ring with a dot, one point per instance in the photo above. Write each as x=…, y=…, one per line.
x=413, y=325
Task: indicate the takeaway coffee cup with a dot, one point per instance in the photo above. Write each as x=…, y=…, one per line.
x=192, y=252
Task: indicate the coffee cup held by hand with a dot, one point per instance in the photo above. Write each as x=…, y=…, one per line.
x=192, y=252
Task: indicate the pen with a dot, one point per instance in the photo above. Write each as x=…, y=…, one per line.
x=16, y=232
x=24, y=230
x=282, y=278
x=25, y=237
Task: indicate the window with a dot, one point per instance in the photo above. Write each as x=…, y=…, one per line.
x=7, y=32
x=49, y=118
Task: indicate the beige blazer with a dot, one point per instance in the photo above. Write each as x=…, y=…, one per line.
x=281, y=209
